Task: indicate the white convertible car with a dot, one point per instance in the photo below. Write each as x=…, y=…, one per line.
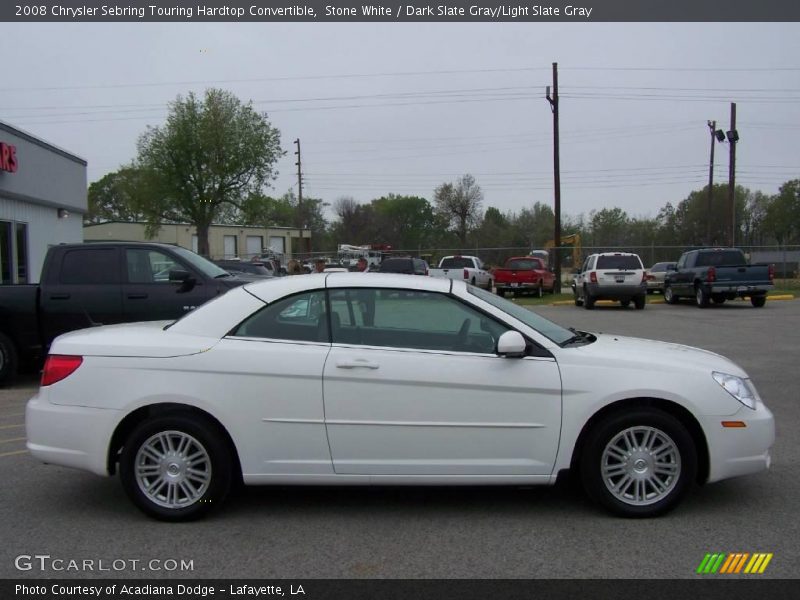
x=389, y=379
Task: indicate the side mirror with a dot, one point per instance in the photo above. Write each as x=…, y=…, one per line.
x=179, y=275
x=511, y=345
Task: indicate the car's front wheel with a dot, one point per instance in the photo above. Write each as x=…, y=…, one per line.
x=176, y=467
x=758, y=301
x=638, y=463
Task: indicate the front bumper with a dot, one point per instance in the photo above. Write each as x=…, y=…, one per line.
x=740, y=451
x=70, y=436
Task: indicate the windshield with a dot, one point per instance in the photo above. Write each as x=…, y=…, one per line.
x=547, y=328
x=205, y=266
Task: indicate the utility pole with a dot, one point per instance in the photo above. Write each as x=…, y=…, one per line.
x=712, y=125
x=556, y=178
x=733, y=137
x=299, y=192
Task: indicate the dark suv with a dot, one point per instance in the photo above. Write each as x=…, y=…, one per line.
x=408, y=265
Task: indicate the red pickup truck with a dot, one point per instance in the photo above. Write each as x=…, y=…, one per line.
x=524, y=274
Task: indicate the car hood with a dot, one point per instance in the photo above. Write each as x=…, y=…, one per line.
x=146, y=339
x=646, y=354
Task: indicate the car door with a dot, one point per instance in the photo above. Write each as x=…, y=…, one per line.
x=412, y=386
x=273, y=386
x=84, y=291
x=149, y=295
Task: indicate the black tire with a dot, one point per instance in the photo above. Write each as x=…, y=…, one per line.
x=578, y=299
x=501, y=292
x=489, y=286
x=625, y=303
x=700, y=297
x=758, y=301
x=219, y=465
x=639, y=302
x=540, y=290
x=8, y=360
x=609, y=433
x=649, y=291
x=588, y=300
x=472, y=281
x=718, y=299
x=669, y=296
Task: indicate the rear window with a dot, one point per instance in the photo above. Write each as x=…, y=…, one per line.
x=626, y=262
x=658, y=267
x=397, y=265
x=456, y=262
x=720, y=258
x=522, y=264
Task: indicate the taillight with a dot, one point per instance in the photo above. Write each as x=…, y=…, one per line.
x=58, y=367
x=466, y=274
x=593, y=277
x=711, y=275
x=645, y=277
x=771, y=272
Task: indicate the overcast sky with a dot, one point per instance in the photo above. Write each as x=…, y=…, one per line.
x=401, y=108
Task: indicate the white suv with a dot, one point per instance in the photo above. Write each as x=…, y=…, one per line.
x=611, y=276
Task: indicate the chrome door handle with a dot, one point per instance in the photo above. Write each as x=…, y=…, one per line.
x=356, y=364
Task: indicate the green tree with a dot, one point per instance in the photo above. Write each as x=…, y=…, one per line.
x=404, y=222
x=782, y=219
x=114, y=197
x=210, y=155
x=460, y=204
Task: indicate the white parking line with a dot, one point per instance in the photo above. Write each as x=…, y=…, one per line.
x=22, y=439
x=13, y=453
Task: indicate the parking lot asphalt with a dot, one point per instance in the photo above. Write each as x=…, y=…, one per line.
x=344, y=532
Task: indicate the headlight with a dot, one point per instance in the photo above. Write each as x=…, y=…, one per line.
x=739, y=388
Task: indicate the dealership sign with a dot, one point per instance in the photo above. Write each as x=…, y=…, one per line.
x=8, y=157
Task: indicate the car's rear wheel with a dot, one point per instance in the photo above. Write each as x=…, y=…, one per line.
x=625, y=303
x=638, y=463
x=758, y=301
x=718, y=299
x=639, y=302
x=669, y=295
x=176, y=467
x=588, y=300
x=701, y=297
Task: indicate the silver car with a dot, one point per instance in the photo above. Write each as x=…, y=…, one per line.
x=655, y=276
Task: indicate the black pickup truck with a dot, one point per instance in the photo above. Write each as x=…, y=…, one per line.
x=85, y=285
x=716, y=275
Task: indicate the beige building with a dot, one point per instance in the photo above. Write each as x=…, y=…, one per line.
x=224, y=241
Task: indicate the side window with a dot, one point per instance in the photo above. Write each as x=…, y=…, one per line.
x=410, y=319
x=90, y=266
x=149, y=266
x=301, y=318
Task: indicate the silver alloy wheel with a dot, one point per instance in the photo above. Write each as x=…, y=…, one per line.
x=173, y=469
x=641, y=466
x=668, y=294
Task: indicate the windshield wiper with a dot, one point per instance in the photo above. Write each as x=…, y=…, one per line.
x=581, y=337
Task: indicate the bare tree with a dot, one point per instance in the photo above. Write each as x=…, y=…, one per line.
x=460, y=204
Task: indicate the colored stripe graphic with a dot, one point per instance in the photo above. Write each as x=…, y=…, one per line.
x=733, y=563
